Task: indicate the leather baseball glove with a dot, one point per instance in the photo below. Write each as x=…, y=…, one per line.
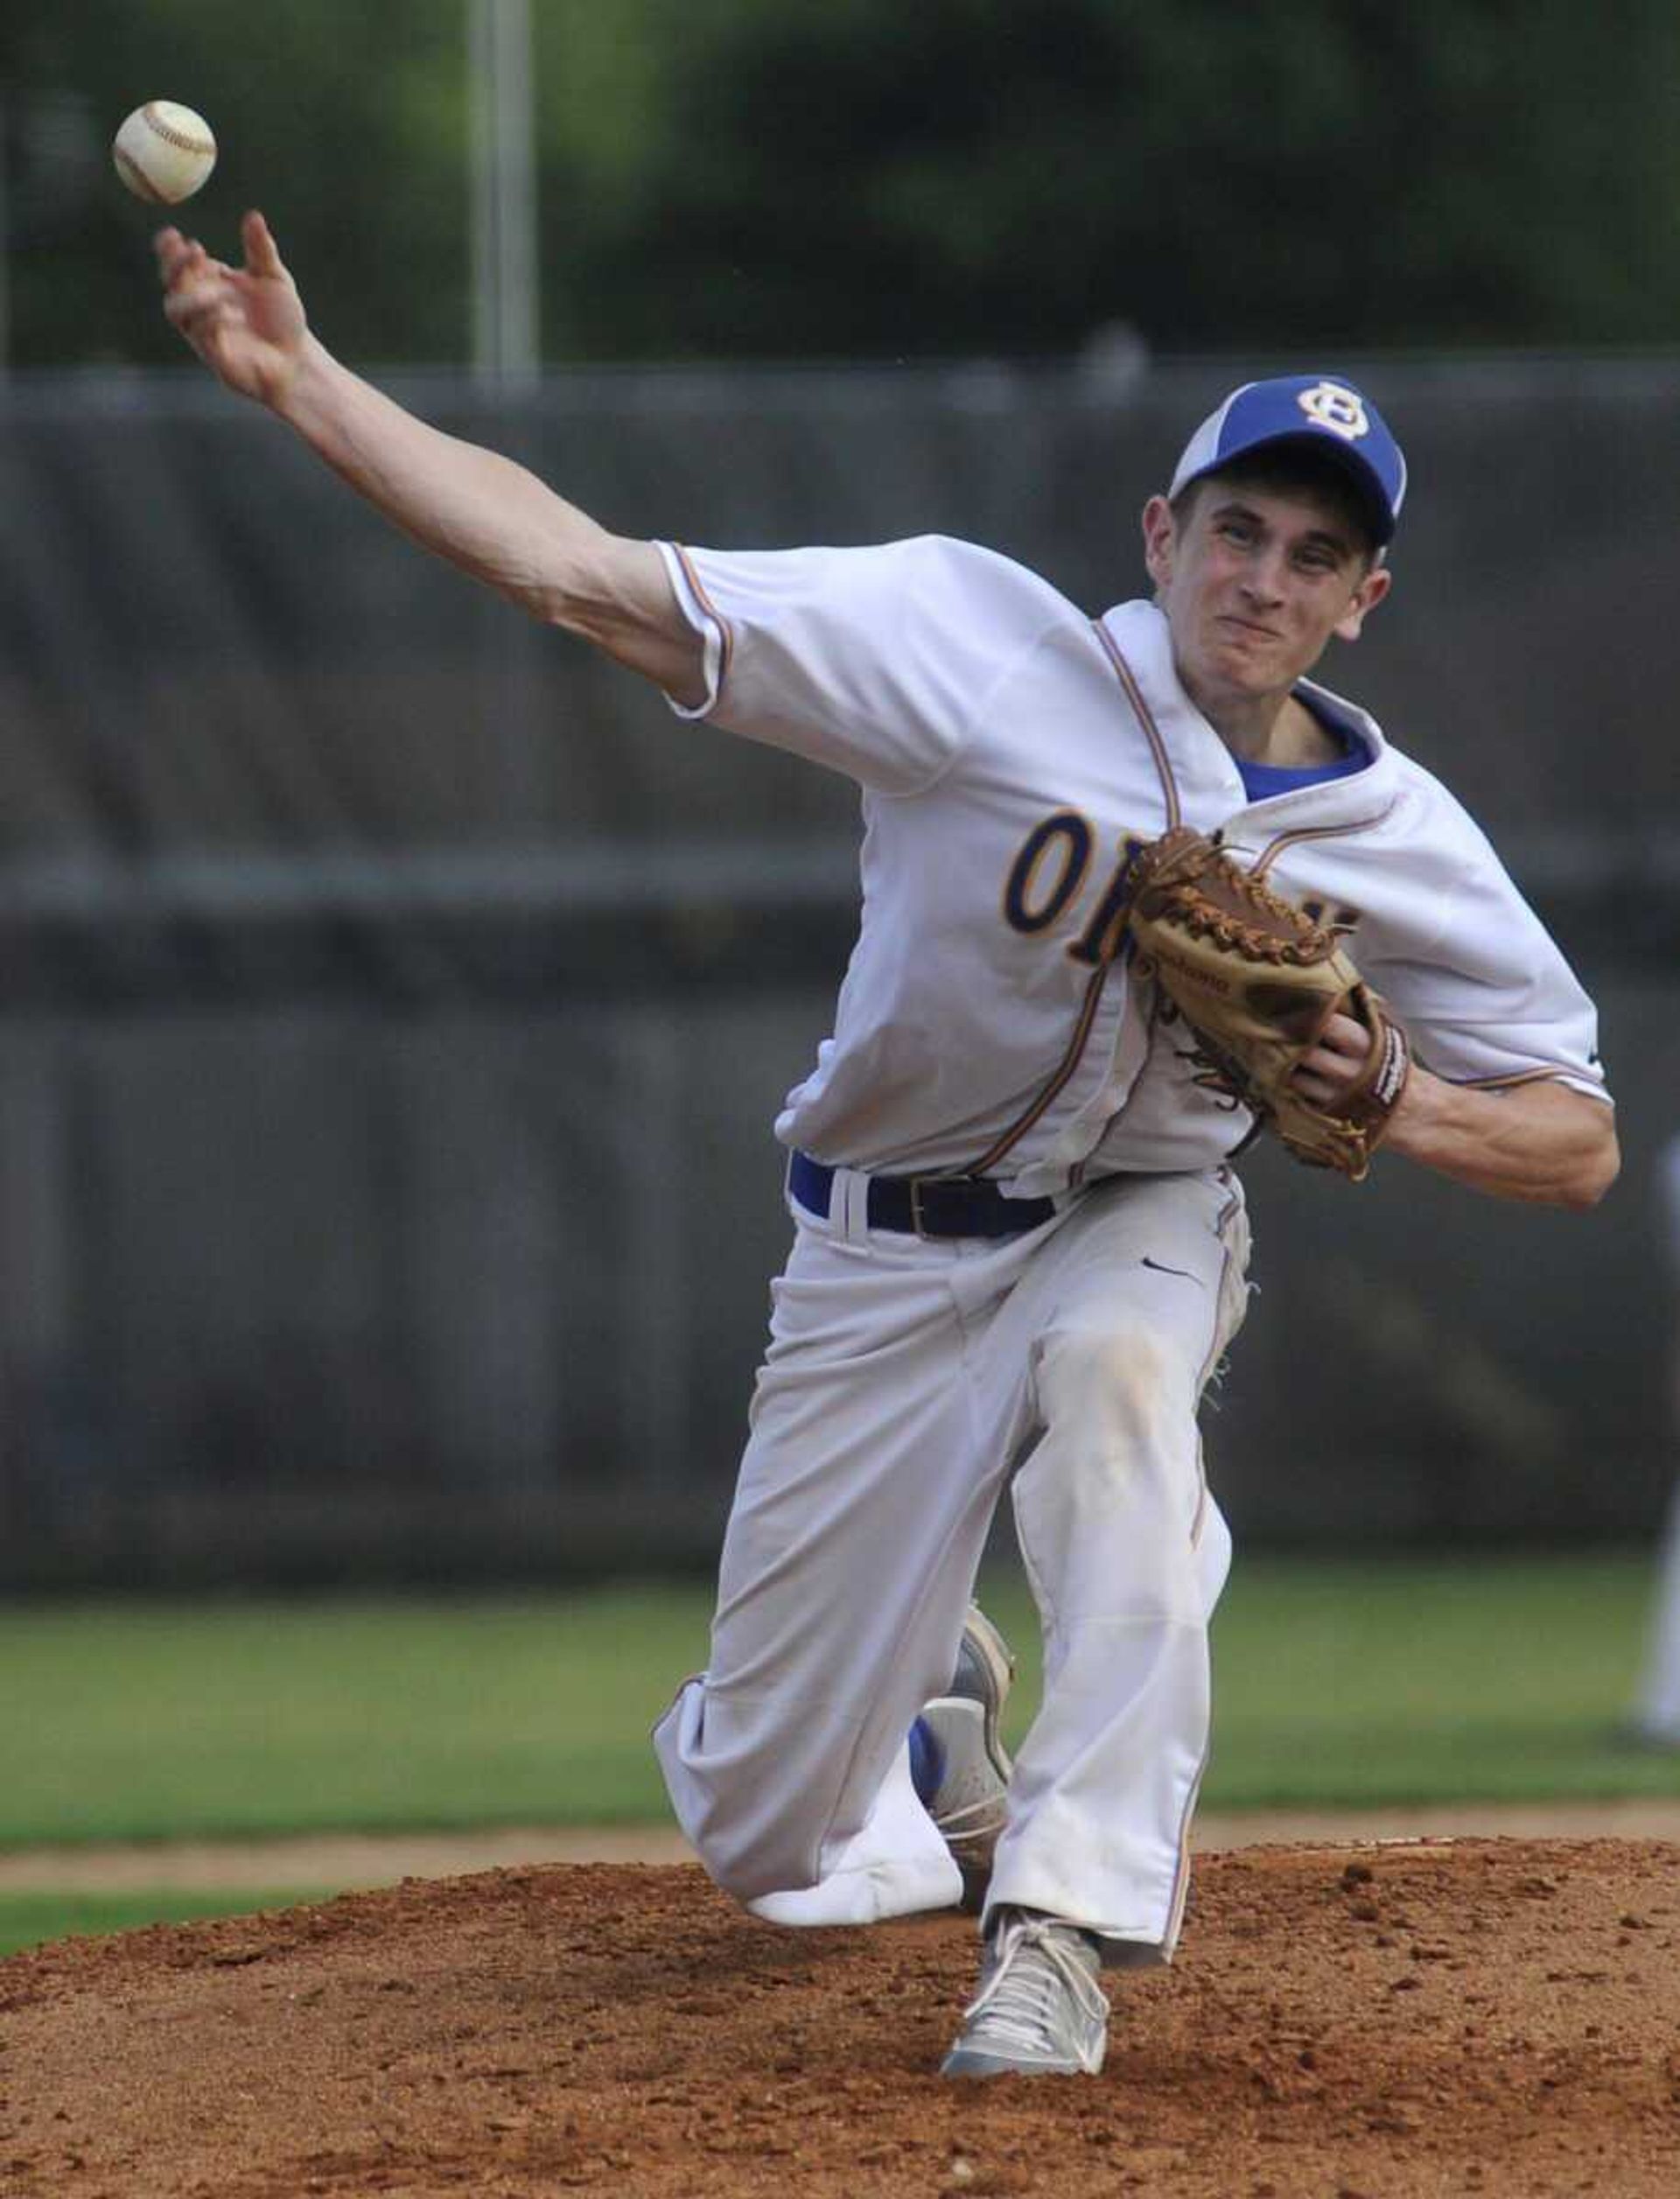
x=1256, y=980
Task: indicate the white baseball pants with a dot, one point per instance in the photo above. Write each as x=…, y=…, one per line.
x=905, y=1383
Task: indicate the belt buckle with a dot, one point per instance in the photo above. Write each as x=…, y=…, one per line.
x=915, y=1184
x=919, y=1221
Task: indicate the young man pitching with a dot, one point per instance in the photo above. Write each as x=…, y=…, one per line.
x=1020, y=1243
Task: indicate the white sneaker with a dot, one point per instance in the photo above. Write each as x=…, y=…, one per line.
x=1040, y=2011
x=968, y=1801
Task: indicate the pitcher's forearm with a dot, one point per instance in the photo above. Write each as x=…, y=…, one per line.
x=1545, y=1142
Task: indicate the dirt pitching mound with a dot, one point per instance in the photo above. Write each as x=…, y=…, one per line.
x=1355, y=2023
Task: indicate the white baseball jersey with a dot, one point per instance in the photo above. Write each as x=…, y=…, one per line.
x=1012, y=752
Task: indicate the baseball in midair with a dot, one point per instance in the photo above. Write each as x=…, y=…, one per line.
x=164, y=152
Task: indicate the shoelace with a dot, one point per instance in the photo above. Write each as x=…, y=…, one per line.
x=967, y=1819
x=1019, y=2001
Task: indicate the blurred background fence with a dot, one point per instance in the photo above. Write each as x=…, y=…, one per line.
x=397, y=999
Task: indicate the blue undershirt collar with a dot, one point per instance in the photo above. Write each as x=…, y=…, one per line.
x=1261, y=782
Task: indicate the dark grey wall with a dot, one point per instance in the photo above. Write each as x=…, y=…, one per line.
x=397, y=1001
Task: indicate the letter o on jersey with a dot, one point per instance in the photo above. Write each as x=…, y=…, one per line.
x=1048, y=872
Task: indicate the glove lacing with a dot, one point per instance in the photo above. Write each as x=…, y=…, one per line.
x=1191, y=913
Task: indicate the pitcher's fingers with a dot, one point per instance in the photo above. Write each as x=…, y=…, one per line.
x=1322, y=1091
x=195, y=270
x=262, y=253
x=174, y=252
x=1322, y=1066
x=197, y=309
x=1345, y=1034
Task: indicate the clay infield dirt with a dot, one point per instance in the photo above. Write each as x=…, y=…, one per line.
x=1347, y=2020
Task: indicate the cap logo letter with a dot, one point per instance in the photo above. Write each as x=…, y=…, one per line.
x=1327, y=404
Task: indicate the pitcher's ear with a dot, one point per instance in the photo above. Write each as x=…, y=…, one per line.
x=1161, y=540
x=1369, y=592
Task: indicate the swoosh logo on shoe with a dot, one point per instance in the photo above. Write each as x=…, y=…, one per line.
x=1183, y=1273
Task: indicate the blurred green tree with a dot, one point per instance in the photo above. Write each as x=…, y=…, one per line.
x=758, y=179
x=346, y=125
x=982, y=174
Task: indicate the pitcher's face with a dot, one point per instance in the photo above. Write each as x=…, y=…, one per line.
x=1254, y=582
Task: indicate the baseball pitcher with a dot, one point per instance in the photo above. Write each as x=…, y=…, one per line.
x=1134, y=890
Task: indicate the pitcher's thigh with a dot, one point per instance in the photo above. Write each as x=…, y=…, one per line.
x=1110, y=1500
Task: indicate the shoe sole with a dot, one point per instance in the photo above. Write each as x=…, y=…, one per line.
x=981, y=2066
x=972, y=1846
x=995, y=1653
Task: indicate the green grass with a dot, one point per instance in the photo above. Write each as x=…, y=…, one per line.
x=1497, y=1679
x=27, y=1920
x=149, y=1721
x=1336, y=1683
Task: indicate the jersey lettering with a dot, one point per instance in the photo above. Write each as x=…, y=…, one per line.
x=1100, y=940
x=1063, y=839
x=1046, y=877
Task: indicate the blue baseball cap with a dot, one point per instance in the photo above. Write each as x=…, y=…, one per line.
x=1314, y=408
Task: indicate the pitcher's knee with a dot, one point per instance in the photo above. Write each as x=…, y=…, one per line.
x=748, y=1850
x=753, y=1830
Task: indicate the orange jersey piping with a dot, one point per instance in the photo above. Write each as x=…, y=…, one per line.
x=727, y=639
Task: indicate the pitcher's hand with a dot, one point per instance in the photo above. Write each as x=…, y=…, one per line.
x=246, y=323
x=1325, y=1075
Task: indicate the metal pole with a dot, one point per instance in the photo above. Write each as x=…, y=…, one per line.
x=506, y=355
x=5, y=253
x=505, y=344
